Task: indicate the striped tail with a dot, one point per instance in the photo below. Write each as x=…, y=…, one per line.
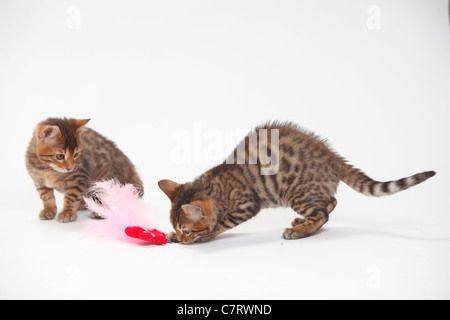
x=358, y=181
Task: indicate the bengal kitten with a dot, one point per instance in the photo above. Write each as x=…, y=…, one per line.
x=65, y=155
x=303, y=173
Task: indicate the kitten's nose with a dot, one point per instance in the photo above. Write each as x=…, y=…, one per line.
x=69, y=169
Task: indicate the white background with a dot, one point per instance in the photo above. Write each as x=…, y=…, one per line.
x=169, y=81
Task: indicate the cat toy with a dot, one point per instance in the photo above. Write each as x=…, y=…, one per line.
x=125, y=216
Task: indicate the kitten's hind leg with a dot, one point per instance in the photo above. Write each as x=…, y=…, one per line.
x=330, y=207
x=82, y=205
x=136, y=181
x=95, y=215
x=92, y=215
x=315, y=213
x=90, y=194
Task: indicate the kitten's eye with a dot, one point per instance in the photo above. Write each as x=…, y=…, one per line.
x=186, y=231
x=59, y=156
x=76, y=155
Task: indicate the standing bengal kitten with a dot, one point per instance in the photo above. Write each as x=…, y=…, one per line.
x=304, y=174
x=66, y=156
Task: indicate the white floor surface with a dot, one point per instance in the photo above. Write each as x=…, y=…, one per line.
x=390, y=249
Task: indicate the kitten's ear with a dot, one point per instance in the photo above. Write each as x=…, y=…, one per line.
x=194, y=213
x=47, y=133
x=169, y=187
x=78, y=124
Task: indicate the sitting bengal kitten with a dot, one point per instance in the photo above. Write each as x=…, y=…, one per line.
x=303, y=174
x=66, y=156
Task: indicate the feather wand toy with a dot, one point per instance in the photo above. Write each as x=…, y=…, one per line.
x=124, y=214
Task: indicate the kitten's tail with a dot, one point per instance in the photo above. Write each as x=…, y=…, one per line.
x=358, y=181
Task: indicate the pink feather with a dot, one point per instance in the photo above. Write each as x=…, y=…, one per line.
x=121, y=207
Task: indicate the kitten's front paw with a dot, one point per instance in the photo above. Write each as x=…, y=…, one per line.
x=47, y=213
x=67, y=216
x=172, y=237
